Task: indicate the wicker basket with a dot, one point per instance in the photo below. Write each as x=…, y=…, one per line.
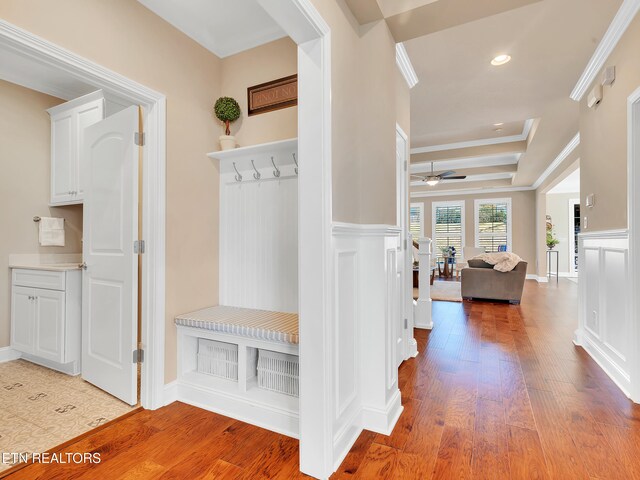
x=219, y=359
x=278, y=372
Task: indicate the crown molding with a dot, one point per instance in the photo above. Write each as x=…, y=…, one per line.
x=404, y=64
x=467, y=162
x=566, y=151
x=478, y=143
x=614, y=33
x=469, y=191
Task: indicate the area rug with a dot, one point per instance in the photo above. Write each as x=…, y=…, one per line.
x=443, y=291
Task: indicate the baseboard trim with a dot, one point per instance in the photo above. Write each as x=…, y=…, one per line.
x=71, y=368
x=270, y=418
x=611, y=368
x=170, y=394
x=383, y=420
x=542, y=279
x=8, y=354
x=345, y=439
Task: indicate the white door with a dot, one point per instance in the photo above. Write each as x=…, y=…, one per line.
x=405, y=259
x=22, y=299
x=49, y=324
x=110, y=280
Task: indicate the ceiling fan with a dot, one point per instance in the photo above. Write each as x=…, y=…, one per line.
x=433, y=178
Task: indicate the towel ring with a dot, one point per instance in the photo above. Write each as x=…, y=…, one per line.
x=296, y=162
x=36, y=219
x=257, y=174
x=276, y=172
x=238, y=175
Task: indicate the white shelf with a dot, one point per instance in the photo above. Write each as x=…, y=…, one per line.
x=270, y=148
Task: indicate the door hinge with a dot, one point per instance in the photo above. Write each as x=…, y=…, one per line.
x=138, y=356
x=405, y=165
x=138, y=138
x=138, y=247
x=406, y=323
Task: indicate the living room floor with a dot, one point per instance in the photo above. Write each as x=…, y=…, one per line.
x=498, y=391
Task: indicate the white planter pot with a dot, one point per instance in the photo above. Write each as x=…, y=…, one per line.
x=227, y=142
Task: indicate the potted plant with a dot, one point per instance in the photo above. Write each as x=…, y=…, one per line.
x=551, y=240
x=227, y=111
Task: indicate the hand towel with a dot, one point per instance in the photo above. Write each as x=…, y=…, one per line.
x=51, y=232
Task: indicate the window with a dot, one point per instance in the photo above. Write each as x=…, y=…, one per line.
x=493, y=224
x=448, y=225
x=416, y=220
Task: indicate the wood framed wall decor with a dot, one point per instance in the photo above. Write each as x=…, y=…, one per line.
x=273, y=95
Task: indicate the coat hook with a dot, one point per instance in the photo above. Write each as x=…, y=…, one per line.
x=238, y=176
x=276, y=172
x=257, y=174
x=296, y=162
x=36, y=219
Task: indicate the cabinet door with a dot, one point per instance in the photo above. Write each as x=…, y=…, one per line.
x=63, y=158
x=22, y=319
x=86, y=115
x=49, y=324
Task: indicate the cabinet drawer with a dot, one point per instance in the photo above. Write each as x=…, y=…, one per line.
x=38, y=279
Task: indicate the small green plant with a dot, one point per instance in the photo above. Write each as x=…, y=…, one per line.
x=551, y=240
x=227, y=111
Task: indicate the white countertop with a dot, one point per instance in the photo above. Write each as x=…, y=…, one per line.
x=55, y=262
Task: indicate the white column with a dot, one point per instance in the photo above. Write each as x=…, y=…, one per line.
x=422, y=317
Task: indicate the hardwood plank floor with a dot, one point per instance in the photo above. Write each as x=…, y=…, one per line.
x=497, y=392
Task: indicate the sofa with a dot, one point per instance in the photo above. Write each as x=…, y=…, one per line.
x=480, y=280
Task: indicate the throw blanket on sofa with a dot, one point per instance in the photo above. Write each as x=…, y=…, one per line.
x=501, y=261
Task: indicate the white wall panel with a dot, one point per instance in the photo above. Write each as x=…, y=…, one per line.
x=604, y=324
x=259, y=243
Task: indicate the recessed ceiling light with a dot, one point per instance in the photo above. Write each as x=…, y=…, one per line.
x=498, y=124
x=497, y=129
x=500, y=60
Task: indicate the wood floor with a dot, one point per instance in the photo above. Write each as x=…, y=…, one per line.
x=497, y=392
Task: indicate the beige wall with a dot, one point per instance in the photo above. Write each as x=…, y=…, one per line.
x=363, y=95
x=523, y=213
x=126, y=37
x=25, y=154
x=557, y=206
x=603, y=137
x=262, y=64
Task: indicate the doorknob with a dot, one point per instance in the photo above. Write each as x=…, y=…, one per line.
x=84, y=266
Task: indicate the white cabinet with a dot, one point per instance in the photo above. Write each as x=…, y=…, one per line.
x=68, y=122
x=46, y=316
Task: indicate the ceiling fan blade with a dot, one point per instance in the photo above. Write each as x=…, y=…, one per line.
x=419, y=177
x=448, y=173
x=457, y=177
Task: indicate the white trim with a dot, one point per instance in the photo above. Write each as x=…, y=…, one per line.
x=478, y=143
x=616, y=233
x=566, y=151
x=170, y=393
x=467, y=162
x=469, y=191
x=383, y=420
x=476, y=216
x=364, y=230
x=531, y=276
x=633, y=215
x=452, y=203
x=304, y=24
x=404, y=65
x=542, y=279
x=262, y=148
x=154, y=186
x=7, y=354
x=614, y=33
x=420, y=206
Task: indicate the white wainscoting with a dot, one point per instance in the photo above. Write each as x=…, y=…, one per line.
x=259, y=239
x=366, y=329
x=604, y=323
x=8, y=354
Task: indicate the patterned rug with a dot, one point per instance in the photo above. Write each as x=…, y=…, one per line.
x=443, y=292
x=41, y=408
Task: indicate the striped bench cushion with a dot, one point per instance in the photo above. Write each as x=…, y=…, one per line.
x=246, y=322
